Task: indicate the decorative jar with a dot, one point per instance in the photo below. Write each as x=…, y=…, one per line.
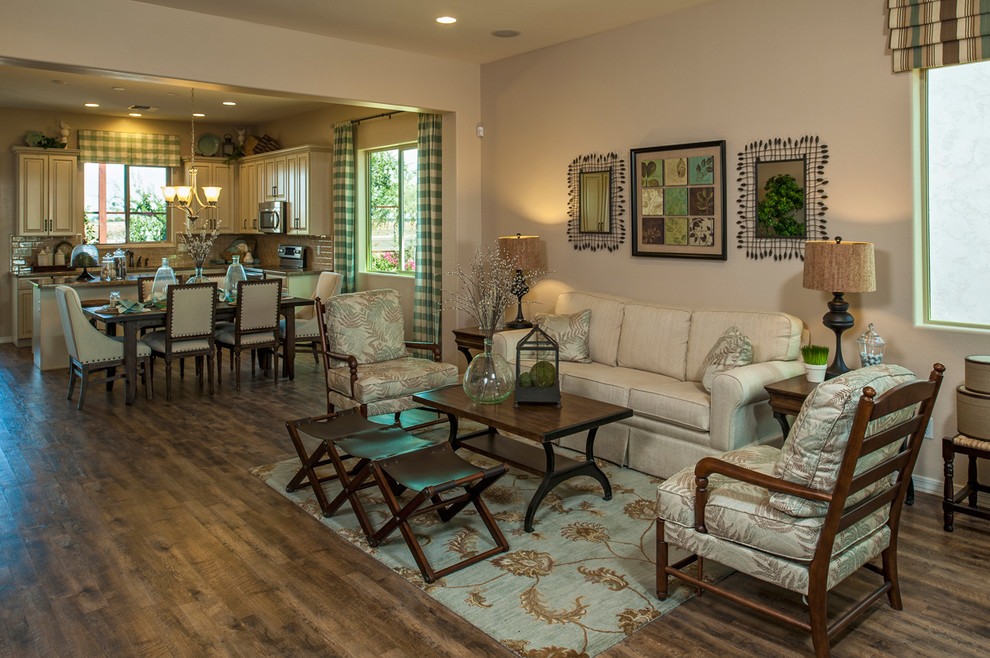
x=198, y=277
x=489, y=378
x=871, y=347
x=164, y=277
x=235, y=273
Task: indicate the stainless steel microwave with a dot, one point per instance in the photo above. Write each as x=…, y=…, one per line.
x=271, y=217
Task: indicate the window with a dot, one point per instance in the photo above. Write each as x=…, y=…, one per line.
x=123, y=203
x=392, y=210
x=957, y=193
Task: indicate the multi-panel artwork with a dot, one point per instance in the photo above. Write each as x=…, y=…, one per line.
x=678, y=201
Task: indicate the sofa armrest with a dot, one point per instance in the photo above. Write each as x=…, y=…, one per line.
x=504, y=343
x=735, y=392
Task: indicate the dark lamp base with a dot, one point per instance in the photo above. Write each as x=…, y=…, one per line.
x=518, y=324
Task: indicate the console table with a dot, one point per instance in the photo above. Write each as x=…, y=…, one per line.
x=467, y=339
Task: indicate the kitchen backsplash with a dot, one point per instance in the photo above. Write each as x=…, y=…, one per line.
x=264, y=249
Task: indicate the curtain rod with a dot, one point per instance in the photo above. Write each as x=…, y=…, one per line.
x=377, y=116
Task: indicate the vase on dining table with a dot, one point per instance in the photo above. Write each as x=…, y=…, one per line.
x=164, y=277
x=198, y=277
x=489, y=378
x=235, y=273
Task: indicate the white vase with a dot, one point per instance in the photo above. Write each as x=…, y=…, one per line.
x=815, y=373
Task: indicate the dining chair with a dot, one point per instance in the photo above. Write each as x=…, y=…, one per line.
x=812, y=513
x=255, y=326
x=189, y=325
x=307, y=327
x=90, y=350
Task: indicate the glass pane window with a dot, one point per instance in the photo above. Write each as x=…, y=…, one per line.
x=123, y=203
x=391, y=175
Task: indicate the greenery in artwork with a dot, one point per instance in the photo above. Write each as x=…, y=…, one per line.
x=652, y=173
x=776, y=212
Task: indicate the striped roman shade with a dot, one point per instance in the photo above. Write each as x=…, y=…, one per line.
x=931, y=33
x=138, y=149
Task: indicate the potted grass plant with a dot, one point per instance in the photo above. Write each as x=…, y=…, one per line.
x=815, y=361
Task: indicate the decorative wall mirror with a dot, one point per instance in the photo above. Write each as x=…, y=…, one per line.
x=781, y=203
x=596, y=205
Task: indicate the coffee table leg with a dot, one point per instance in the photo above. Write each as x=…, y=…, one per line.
x=594, y=471
x=549, y=482
x=452, y=437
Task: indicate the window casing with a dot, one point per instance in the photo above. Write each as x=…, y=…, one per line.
x=123, y=203
x=390, y=231
x=955, y=197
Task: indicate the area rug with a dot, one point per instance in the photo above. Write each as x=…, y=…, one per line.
x=581, y=582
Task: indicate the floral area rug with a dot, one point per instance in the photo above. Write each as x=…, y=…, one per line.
x=584, y=580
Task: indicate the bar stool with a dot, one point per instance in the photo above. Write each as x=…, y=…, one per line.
x=952, y=502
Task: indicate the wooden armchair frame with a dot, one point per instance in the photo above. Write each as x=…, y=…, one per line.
x=838, y=517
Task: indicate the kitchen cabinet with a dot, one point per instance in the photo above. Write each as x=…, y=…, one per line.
x=309, y=192
x=275, y=177
x=22, y=315
x=48, y=194
x=249, y=184
x=215, y=172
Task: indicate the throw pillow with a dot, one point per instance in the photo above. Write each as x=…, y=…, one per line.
x=571, y=333
x=731, y=350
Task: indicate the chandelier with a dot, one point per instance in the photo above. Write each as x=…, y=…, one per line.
x=182, y=196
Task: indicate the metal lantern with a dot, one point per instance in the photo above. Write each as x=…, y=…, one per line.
x=537, y=369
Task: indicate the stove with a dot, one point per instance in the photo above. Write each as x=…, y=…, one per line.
x=291, y=257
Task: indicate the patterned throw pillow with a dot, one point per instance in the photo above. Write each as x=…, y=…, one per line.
x=571, y=333
x=730, y=351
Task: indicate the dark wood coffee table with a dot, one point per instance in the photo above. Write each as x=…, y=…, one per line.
x=538, y=423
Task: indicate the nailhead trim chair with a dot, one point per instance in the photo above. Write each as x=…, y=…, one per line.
x=189, y=327
x=809, y=515
x=255, y=325
x=307, y=320
x=91, y=350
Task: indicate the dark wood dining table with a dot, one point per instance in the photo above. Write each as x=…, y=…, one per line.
x=132, y=323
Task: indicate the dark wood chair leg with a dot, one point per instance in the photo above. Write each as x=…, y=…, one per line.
x=168, y=380
x=146, y=378
x=889, y=561
x=948, y=490
x=72, y=380
x=818, y=609
x=972, y=481
x=83, y=385
x=662, y=562
x=209, y=374
x=235, y=357
x=219, y=364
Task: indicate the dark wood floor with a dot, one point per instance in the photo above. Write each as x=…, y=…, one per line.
x=138, y=531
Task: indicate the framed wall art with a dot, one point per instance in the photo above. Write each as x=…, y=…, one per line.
x=781, y=200
x=678, y=201
x=596, y=202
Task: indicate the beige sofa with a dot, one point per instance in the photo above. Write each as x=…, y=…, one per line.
x=649, y=357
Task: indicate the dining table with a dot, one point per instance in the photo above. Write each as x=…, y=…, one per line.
x=132, y=323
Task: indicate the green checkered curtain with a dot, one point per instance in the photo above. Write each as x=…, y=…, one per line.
x=138, y=149
x=429, y=197
x=344, y=198
x=928, y=34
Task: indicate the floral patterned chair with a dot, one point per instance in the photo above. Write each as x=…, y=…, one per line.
x=366, y=357
x=811, y=513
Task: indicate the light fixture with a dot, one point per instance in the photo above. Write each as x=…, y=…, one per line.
x=183, y=196
x=446, y=20
x=91, y=104
x=133, y=114
x=839, y=267
x=525, y=251
x=229, y=103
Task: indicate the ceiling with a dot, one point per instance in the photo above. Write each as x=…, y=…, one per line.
x=403, y=24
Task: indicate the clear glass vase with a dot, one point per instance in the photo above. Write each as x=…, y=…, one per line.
x=164, y=277
x=235, y=273
x=489, y=378
x=198, y=277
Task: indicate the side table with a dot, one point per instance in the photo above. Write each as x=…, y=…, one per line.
x=467, y=339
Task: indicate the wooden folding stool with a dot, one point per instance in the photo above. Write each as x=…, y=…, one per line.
x=431, y=472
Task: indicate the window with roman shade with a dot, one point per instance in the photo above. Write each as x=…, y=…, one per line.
x=136, y=149
x=932, y=33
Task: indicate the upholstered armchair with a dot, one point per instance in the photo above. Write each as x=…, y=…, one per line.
x=90, y=350
x=367, y=361
x=811, y=513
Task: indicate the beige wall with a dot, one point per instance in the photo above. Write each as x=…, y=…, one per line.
x=738, y=70
x=132, y=37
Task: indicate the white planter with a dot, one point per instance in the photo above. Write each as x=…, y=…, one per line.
x=815, y=374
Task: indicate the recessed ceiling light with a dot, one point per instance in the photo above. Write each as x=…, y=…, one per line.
x=59, y=82
x=198, y=114
x=134, y=114
x=229, y=103
x=506, y=34
x=446, y=20
x=91, y=104
x=117, y=88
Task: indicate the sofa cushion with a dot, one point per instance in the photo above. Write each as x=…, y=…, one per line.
x=672, y=401
x=606, y=321
x=775, y=336
x=813, y=451
x=570, y=331
x=654, y=338
x=731, y=350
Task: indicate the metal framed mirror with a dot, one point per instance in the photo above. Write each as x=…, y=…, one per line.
x=596, y=205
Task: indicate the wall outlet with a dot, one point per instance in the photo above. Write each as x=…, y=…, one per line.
x=930, y=430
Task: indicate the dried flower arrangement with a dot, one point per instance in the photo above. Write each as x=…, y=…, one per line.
x=487, y=289
x=199, y=245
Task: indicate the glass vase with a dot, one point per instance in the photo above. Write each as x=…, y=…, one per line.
x=164, y=277
x=235, y=273
x=198, y=277
x=489, y=378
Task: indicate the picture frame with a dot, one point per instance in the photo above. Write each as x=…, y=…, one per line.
x=678, y=201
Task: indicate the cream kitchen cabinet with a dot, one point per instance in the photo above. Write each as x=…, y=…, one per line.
x=217, y=173
x=249, y=185
x=275, y=178
x=309, y=192
x=49, y=198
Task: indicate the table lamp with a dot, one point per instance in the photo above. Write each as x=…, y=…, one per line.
x=839, y=267
x=525, y=249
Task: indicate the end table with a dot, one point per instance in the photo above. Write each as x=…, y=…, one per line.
x=467, y=339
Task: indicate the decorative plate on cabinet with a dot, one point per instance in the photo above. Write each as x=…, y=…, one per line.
x=208, y=144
